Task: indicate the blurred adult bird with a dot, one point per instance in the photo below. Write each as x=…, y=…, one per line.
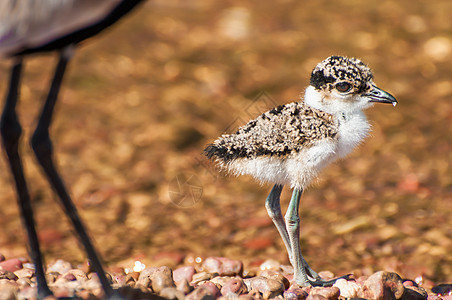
x=33, y=26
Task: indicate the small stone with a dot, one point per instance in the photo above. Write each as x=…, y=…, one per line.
x=348, y=289
x=414, y=293
x=223, y=266
x=184, y=287
x=2, y=257
x=200, y=293
x=234, y=286
x=264, y=285
x=330, y=293
x=255, y=294
x=129, y=280
x=184, y=273
x=287, y=270
x=220, y=281
x=25, y=273
x=316, y=297
x=78, y=274
x=172, y=293
x=144, y=280
x=212, y=288
x=28, y=292
x=5, y=274
x=51, y=277
x=295, y=293
x=276, y=275
x=69, y=277
x=270, y=264
x=23, y=282
x=59, y=266
x=11, y=265
x=442, y=289
x=162, y=278
x=202, y=276
x=383, y=286
x=8, y=291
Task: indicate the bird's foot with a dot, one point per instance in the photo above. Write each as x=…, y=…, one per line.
x=327, y=283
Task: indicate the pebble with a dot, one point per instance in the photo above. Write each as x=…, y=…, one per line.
x=203, y=292
x=162, y=278
x=202, y=276
x=60, y=266
x=183, y=273
x=348, y=289
x=25, y=273
x=220, y=281
x=5, y=274
x=330, y=293
x=78, y=274
x=223, y=266
x=8, y=291
x=442, y=289
x=234, y=286
x=276, y=275
x=316, y=297
x=295, y=293
x=11, y=265
x=184, y=287
x=383, y=286
x=144, y=280
x=414, y=293
x=172, y=293
x=264, y=285
x=23, y=282
x=270, y=264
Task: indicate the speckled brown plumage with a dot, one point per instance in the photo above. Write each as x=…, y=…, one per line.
x=282, y=131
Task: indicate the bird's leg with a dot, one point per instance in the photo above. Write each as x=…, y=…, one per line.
x=11, y=131
x=293, y=228
x=42, y=147
x=272, y=204
x=303, y=274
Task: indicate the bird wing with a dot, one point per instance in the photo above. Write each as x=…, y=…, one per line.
x=32, y=23
x=281, y=131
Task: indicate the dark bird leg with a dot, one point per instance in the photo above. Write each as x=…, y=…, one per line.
x=303, y=274
x=11, y=131
x=42, y=146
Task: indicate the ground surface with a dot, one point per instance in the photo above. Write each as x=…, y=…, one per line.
x=141, y=101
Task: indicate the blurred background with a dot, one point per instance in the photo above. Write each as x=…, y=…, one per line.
x=141, y=101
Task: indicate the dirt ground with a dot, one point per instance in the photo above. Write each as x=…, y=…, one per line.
x=141, y=101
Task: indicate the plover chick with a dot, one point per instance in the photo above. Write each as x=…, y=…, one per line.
x=292, y=143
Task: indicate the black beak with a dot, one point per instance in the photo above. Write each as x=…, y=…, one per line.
x=378, y=95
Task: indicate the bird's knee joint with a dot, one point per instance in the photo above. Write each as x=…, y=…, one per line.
x=292, y=222
x=41, y=144
x=11, y=131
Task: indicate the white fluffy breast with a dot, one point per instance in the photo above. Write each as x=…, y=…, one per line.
x=353, y=129
x=296, y=170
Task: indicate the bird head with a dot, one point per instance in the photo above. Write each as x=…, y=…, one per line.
x=342, y=85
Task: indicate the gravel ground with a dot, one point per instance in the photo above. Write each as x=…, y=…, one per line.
x=211, y=278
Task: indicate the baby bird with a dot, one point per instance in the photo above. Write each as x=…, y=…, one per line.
x=292, y=143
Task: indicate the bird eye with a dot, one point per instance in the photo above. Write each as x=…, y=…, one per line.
x=343, y=87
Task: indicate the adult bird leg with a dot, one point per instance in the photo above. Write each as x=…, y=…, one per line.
x=11, y=131
x=42, y=147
